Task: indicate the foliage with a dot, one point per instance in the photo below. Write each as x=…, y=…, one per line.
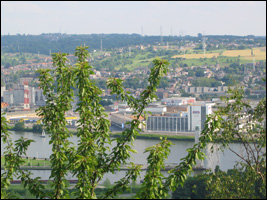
x=19, y=126
x=37, y=128
x=107, y=183
x=93, y=158
x=152, y=187
x=12, y=154
x=200, y=72
x=238, y=120
x=194, y=188
x=206, y=82
x=66, y=43
x=105, y=102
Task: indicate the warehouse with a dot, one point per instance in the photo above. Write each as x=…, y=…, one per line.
x=181, y=121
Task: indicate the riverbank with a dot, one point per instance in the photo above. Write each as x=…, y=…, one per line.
x=18, y=191
x=184, y=136
x=44, y=164
x=142, y=135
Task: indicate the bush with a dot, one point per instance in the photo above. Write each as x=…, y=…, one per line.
x=37, y=128
x=19, y=126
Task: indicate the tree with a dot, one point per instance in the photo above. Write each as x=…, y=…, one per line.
x=92, y=158
x=200, y=73
x=194, y=188
x=19, y=126
x=239, y=121
x=37, y=128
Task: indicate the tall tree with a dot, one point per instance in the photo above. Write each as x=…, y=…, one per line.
x=93, y=158
x=239, y=121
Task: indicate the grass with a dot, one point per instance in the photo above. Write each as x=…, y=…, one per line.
x=246, y=54
x=33, y=162
x=197, y=56
x=194, y=57
x=157, y=136
x=222, y=60
x=222, y=56
x=20, y=192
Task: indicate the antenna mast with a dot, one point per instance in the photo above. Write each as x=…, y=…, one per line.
x=254, y=64
x=161, y=40
x=204, y=45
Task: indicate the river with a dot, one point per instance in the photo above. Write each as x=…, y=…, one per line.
x=42, y=149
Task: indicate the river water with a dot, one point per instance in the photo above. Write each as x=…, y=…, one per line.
x=42, y=149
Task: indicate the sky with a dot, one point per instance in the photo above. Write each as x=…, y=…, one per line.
x=141, y=17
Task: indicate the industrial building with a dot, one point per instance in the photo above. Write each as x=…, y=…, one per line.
x=179, y=115
x=120, y=120
x=178, y=101
x=181, y=121
x=21, y=94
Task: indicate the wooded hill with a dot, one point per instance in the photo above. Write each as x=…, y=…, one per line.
x=66, y=43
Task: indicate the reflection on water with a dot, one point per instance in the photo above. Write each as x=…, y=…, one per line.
x=41, y=149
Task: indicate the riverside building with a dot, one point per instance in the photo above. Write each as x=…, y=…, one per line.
x=180, y=121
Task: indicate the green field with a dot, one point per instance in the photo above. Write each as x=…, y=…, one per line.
x=31, y=162
x=156, y=136
x=192, y=57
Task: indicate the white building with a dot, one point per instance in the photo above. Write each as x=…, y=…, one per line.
x=197, y=114
x=182, y=122
x=8, y=97
x=39, y=97
x=178, y=101
x=18, y=96
x=3, y=88
x=156, y=109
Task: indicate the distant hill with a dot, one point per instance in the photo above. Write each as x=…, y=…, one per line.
x=67, y=43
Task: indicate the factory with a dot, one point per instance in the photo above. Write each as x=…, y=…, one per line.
x=185, y=120
x=171, y=115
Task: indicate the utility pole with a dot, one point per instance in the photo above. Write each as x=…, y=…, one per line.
x=161, y=39
x=254, y=64
x=204, y=45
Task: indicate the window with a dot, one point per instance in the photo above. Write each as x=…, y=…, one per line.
x=186, y=124
x=179, y=124
x=163, y=124
x=148, y=123
x=182, y=125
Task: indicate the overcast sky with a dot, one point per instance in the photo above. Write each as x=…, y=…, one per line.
x=175, y=17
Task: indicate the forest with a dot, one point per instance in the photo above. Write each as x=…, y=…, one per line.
x=66, y=43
